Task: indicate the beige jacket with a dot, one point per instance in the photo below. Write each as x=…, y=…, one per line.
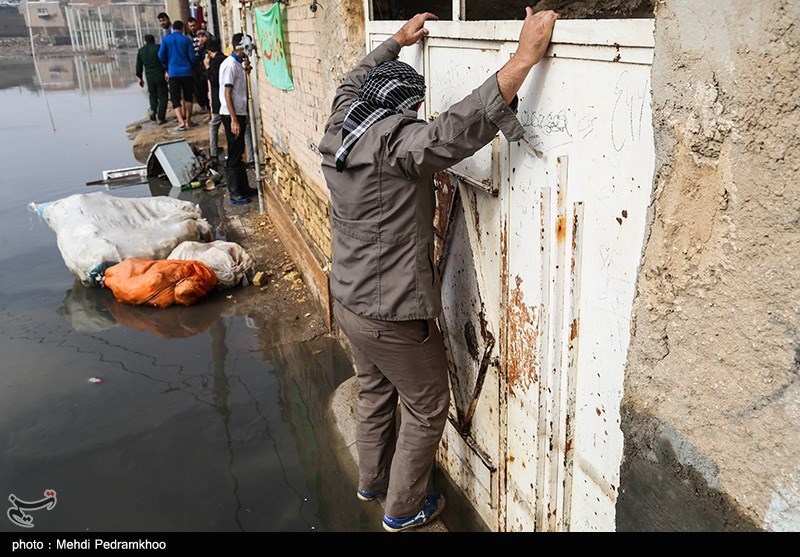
x=383, y=202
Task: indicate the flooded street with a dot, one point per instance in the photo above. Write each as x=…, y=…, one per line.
x=204, y=420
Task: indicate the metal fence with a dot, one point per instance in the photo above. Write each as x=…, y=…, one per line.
x=111, y=26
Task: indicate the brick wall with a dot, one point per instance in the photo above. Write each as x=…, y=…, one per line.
x=292, y=124
x=321, y=47
x=308, y=206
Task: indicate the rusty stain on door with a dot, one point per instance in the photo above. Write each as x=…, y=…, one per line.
x=536, y=287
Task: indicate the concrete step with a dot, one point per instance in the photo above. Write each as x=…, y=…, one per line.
x=343, y=407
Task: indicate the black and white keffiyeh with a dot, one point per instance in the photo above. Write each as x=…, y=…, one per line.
x=388, y=88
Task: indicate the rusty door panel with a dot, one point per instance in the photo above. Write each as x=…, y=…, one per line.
x=471, y=350
x=482, y=217
x=576, y=225
x=469, y=322
x=469, y=339
x=537, y=244
x=468, y=470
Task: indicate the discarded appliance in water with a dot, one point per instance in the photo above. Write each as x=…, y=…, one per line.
x=121, y=177
x=180, y=162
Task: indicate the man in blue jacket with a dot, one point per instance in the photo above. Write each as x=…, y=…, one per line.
x=177, y=55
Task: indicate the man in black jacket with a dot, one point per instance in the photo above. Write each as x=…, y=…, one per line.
x=212, y=61
x=199, y=38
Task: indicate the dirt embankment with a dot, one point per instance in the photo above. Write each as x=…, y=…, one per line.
x=282, y=309
x=145, y=133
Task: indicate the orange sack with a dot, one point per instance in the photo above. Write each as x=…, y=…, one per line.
x=159, y=283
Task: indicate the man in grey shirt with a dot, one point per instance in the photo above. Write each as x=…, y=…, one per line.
x=379, y=160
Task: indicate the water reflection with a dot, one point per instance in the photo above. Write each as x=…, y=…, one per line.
x=111, y=25
x=307, y=375
x=172, y=322
x=86, y=309
x=310, y=372
x=83, y=72
x=95, y=309
x=203, y=422
x=180, y=439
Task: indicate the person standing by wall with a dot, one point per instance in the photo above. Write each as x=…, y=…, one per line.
x=191, y=31
x=200, y=80
x=233, y=110
x=147, y=60
x=165, y=23
x=177, y=55
x=248, y=137
x=212, y=62
x=378, y=161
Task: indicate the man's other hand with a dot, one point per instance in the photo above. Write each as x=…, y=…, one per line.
x=235, y=128
x=535, y=35
x=413, y=29
x=141, y=82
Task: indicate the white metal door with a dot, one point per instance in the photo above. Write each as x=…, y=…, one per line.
x=539, y=243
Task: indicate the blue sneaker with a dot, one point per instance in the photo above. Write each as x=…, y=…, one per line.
x=434, y=505
x=369, y=496
x=239, y=200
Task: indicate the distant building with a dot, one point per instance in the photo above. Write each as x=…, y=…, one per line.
x=46, y=18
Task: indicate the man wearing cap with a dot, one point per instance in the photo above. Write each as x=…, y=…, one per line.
x=378, y=160
x=233, y=111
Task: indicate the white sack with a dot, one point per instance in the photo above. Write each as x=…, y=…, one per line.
x=96, y=227
x=229, y=261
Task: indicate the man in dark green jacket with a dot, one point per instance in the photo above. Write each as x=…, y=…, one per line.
x=147, y=59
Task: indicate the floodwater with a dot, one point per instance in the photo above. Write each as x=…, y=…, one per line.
x=195, y=425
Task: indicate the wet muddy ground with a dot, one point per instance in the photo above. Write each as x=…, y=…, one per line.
x=212, y=417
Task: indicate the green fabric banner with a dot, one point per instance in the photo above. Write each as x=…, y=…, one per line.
x=269, y=26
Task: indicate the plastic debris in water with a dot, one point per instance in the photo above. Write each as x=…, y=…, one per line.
x=192, y=185
x=95, y=380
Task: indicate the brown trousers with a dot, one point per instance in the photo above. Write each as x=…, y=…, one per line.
x=402, y=360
